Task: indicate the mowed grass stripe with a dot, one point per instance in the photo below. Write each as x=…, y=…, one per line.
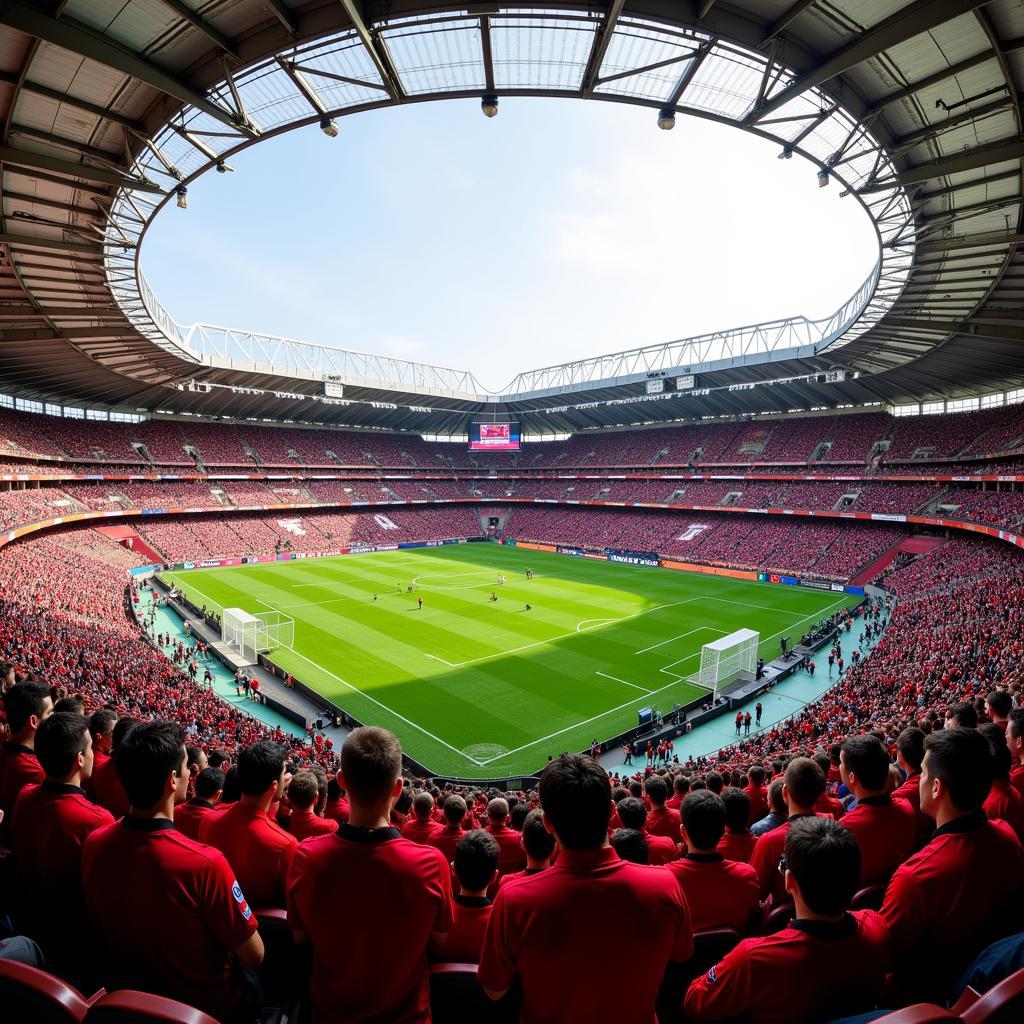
x=524, y=681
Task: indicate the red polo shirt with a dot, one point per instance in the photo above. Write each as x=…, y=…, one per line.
x=512, y=857
x=951, y=899
x=738, y=846
x=830, y=806
x=446, y=840
x=768, y=850
x=810, y=971
x=258, y=849
x=911, y=792
x=662, y=821
x=758, y=802
x=553, y=927
x=337, y=809
x=19, y=767
x=660, y=849
x=394, y=893
x=417, y=831
x=108, y=790
x=1017, y=778
x=525, y=873
x=720, y=893
x=99, y=758
x=185, y=912
x=465, y=938
x=886, y=832
x=303, y=824
x=188, y=817
x=1005, y=802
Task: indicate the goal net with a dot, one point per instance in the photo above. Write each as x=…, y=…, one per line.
x=252, y=635
x=724, y=660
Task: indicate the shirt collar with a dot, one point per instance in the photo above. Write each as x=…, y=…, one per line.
x=826, y=929
x=360, y=834
x=60, y=787
x=18, y=748
x=962, y=825
x=197, y=802
x=587, y=858
x=704, y=858
x=472, y=901
x=796, y=817
x=147, y=824
x=875, y=801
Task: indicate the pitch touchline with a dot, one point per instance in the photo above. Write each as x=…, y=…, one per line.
x=625, y=682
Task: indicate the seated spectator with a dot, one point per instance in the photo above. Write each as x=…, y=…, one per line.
x=72, y=705
x=885, y=828
x=738, y=841
x=962, y=890
x=397, y=892
x=51, y=821
x=680, y=787
x=512, y=857
x=962, y=716
x=303, y=822
x=543, y=927
x=188, y=817
x=757, y=794
x=777, y=813
x=828, y=804
x=1003, y=801
x=998, y=705
x=662, y=820
x=828, y=963
x=106, y=783
x=187, y=915
x=27, y=706
x=803, y=784
x=1015, y=742
x=101, y=728
x=720, y=893
x=632, y=814
x=337, y=806
x=257, y=848
x=421, y=827
x=476, y=868
x=909, y=756
x=631, y=845
x=448, y=838
x=538, y=845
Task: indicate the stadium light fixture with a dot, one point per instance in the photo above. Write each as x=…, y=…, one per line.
x=787, y=153
x=182, y=198
x=666, y=119
x=489, y=105
x=329, y=127
x=823, y=177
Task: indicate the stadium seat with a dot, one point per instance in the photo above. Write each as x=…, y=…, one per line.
x=456, y=996
x=286, y=967
x=128, y=1007
x=777, y=919
x=868, y=898
x=1002, y=1004
x=919, y=1013
x=708, y=948
x=28, y=994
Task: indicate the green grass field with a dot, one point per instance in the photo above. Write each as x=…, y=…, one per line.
x=483, y=689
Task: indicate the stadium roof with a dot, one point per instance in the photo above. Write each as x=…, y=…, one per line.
x=109, y=108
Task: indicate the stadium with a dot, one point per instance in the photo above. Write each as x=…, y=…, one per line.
x=702, y=655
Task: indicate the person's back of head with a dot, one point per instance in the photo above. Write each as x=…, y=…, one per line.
x=72, y=705
x=194, y=757
x=422, y=806
x=517, y=816
x=824, y=762
x=576, y=798
x=737, y=809
x=303, y=791
x=657, y=790
x=121, y=729
x=232, y=792
x=371, y=766
x=149, y=755
x=910, y=746
x=1015, y=724
x=209, y=782
x=636, y=788
x=962, y=716
x=537, y=841
x=715, y=782
x=25, y=706
x=864, y=763
x=260, y=766
x=702, y=815
x=957, y=772
x=756, y=775
x=476, y=860
x=497, y=810
x=218, y=758
x=804, y=782
x=681, y=785
x=63, y=745
x=632, y=813
x=1002, y=760
x=102, y=722
x=999, y=704
x=631, y=845
x=455, y=810
x=823, y=858
x=404, y=802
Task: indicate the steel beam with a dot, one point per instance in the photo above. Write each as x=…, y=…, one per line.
x=602, y=37
x=921, y=16
x=926, y=83
x=987, y=239
x=971, y=160
x=10, y=238
x=376, y=50
x=283, y=15
x=928, y=131
x=70, y=101
x=55, y=140
x=788, y=16
x=26, y=158
x=486, y=52
x=54, y=204
x=969, y=328
x=698, y=58
x=199, y=22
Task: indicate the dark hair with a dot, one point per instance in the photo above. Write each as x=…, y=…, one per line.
x=632, y=813
x=1002, y=759
x=303, y=790
x=538, y=842
x=715, y=782
x=631, y=845
x=825, y=860
x=910, y=743
x=22, y=701
x=102, y=722
x=121, y=729
x=962, y=760
x=59, y=741
x=209, y=782
x=703, y=816
x=217, y=758
x=1000, y=702
x=148, y=754
x=259, y=766
x=737, y=809
x=576, y=797
x=371, y=762
x=73, y=705
x=756, y=774
x=192, y=755
x=476, y=859
x=1016, y=719
x=232, y=791
x=681, y=785
x=964, y=715
x=777, y=804
x=657, y=790
x=517, y=816
x=868, y=760
x=454, y=810
x=805, y=781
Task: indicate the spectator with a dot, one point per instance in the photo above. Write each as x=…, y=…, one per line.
x=189, y=816
x=633, y=815
x=738, y=842
x=776, y=816
x=997, y=706
x=543, y=927
x=398, y=891
x=258, y=849
x=27, y=706
x=1003, y=801
x=756, y=792
x=952, y=898
x=512, y=858
x=662, y=820
x=1015, y=742
x=476, y=867
x=337, y=806
x=538, y=845
x=962, y=716
x=101, y=729
x=303, y=821
x=909, y=755
x=631, y=845
x=421, y=826
x=105, y=780
x=187, y=913
x=447, y=839
x=828, y=963
x=720, y=893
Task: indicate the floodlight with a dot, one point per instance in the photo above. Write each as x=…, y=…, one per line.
x=823, y=177
x=328, y=127
x=489, y=105
x=666, y=119
x=221, y=167
x=182, y=198
x=787, y=153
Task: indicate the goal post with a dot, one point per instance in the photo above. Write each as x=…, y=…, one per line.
x=252, y=635
x=725, y=660
x=275, y=630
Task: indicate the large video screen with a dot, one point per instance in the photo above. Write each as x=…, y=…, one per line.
x=494, y=437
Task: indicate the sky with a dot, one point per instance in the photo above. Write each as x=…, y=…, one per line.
x=557, y=230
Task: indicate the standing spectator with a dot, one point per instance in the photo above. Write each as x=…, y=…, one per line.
x=101, y=729
x=776, y=814
x=447, y=839
x=909, y=755
x=27, y=706
x=738, y=842
x=662, y=821
x=1015, y=741
x=512, y=856
x=538, y=844
x=1003, y=801
x=756, y=793
x=398, y=891
x=106, y=783
x=188, y=817
x=303, y=822
x=476, y=868
x=633, y=815
x=421, y=826
x=758, y=711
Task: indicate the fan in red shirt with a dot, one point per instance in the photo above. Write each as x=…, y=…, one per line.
x=101, y=728
x=828, y=963
x=106, y=784
x=1015, y=741
x=553, y=926
x=257, y=848
x=303, y=822
x=337, y=806
x=448, y=838
x=720, y=893
x=421, y=827
x=962, y=890
x=757, y=793
x=50, y=823
x=512, y=856
x=662, y=821
x=738, y=841
x=1003, y=801
x=476, y=867
x=189, y=816
x=680, y=787
x=27, y=706
x=885, y=828
x=909, y=755
x=538, y=844
x=394, y=893
x=633, y=815
x=187, y=914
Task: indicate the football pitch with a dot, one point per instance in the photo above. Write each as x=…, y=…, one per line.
x=482, y=689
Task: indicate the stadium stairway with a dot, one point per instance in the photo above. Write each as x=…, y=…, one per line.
x=129, y=538
x=911, y=545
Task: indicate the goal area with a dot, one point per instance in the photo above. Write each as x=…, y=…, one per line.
x=252, y=635
x=724, y=661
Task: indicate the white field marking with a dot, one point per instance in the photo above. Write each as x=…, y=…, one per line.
x=670, y=639
x=582, y=624
x=762, y=607
x=625, y=682
x=630, y=703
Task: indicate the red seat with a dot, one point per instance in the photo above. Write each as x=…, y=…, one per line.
x=1001, y=1004
x=919, y=1013
x=868, y=898
x=28, y=994
x=456, y=996
x=778, y=918
x=127, y=1007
